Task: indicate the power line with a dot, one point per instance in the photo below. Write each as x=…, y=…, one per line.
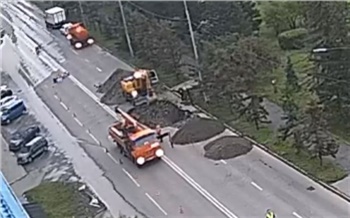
x=156, y=15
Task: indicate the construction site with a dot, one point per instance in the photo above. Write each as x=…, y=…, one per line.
x=166, y=108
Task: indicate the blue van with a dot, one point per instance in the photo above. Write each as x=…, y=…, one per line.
x=12, y=110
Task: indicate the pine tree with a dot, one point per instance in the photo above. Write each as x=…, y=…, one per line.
x=292, y=79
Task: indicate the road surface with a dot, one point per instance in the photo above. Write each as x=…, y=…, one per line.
x=242, y=187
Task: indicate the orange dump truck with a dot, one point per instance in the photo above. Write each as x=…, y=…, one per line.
x=79, y=36
x=135, y=140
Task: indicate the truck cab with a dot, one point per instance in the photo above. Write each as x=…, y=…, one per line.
x=135, y=140
x=55, y=17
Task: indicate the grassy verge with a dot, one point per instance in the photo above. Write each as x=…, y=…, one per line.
x=328, y=172
x=59, y=200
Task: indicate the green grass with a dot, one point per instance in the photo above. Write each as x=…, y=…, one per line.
x=57, y=199
x=328, y=172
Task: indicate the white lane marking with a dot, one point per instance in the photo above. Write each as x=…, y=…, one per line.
x=56, y=97
x=199, y=188
x=297, y=215
x=64, y=106
x=113, y=159
x=132, y=178
x=86, y=60
x=155, y=203
x=98, y=69
x=195, y=185
x=75, y=52
x=94, y=138
x=78, y=121
x=223, y=161
x=256, y=186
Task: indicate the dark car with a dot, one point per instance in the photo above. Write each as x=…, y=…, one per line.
x=32, y=150
x=20, y=138
x=5, y=91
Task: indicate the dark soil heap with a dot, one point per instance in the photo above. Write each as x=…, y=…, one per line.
x=197, y=130
x=227, y=147
x=159, y=112
x=112, y=93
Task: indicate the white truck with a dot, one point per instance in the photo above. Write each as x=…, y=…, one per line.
x=55, y=17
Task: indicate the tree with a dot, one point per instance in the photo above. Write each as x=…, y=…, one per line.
x=222, y=18
x=282, y=16
x=317, y=138
x=254, y=111
x=291, y=112
x=292, y=79
x=156, y=43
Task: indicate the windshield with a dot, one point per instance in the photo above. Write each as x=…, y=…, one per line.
x=147, y=138
x=25, y=149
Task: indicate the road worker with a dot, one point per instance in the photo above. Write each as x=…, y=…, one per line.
x=159, y=132
x=270, y=214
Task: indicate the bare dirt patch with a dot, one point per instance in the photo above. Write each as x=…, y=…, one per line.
x=197, y=130
x=159, y=112
x=110, y=88
x=227, y=147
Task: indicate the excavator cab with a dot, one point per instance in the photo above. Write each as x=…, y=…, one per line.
x=137, y=88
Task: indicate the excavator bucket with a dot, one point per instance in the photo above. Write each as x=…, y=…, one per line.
x=153, y=77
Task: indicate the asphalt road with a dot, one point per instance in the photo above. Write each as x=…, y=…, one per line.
x=243, y=187
x=256, y=181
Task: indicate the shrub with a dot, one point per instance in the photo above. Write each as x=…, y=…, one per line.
x=292, y=39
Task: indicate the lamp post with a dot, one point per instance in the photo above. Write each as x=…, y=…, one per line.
x=194, y=45
x=126, y=29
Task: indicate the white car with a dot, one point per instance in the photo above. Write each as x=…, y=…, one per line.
x=7, y=99
x=65, y=28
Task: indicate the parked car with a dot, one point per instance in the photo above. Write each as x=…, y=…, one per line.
x=20, y=138
x=12, y=111
x=32, y=150
x=5, y=91
x=7, y=99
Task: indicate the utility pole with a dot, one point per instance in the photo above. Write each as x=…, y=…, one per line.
x=82, y=13
x=194, y=46
x=126, y=29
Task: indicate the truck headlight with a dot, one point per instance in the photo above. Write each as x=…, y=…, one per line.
x=159, y=153
x=78, y=45
x=90, y=41
x=140, y=160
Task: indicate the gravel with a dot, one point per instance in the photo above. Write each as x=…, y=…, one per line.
x=111, y=90
x=227, y=147
x=159, y=112
x=197, y=130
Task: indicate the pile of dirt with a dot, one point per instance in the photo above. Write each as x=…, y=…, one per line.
x=110, y=88
x=197, y=130
x=159, y=112
x=227, y=147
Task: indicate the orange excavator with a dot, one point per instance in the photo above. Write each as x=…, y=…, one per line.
x=79, y=36
x=135, y=140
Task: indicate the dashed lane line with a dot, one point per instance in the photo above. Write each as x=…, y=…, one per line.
x=78, y=121
x=297, y=215
x=64, y=106
x=75, y=52
x=56, y=97
x=98, y=69
x=155, y=203
x=170, y=163
x=131, y=177
x=256, y=186
x=223, y=161
x=93, y=137
x=86, y=60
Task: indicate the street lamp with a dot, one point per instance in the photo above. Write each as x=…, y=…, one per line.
x=126, y=29
x=194, y=46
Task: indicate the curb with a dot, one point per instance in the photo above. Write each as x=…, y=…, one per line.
x=264, y=148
